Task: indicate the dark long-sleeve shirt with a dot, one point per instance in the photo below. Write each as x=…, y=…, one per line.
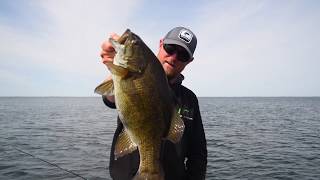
x=184, y=160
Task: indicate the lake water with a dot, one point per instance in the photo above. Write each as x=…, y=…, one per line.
x=247, y=138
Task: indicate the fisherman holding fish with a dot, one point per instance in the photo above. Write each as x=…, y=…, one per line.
x=168, y=131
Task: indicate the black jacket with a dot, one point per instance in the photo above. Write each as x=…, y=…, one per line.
x=185, y=160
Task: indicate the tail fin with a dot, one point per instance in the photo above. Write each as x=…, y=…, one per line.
x=148, y=176
x=157, y=174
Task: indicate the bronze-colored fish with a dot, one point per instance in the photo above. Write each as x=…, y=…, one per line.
x=145, y=104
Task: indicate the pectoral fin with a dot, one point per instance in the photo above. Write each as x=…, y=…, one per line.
x=105, y=88
x=176, y=128
x=124, y=145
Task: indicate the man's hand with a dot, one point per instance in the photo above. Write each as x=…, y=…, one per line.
x=107, y=51
x=107, y=54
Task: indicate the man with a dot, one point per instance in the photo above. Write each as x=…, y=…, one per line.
x=188, y=158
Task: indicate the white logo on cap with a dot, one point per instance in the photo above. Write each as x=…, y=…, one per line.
x=185, y=35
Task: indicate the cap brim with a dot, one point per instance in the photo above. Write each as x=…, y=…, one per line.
x=173, y=41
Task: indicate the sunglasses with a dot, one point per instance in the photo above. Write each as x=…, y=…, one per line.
x=182, y=54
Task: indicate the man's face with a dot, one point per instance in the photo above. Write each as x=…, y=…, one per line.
x=171, y=63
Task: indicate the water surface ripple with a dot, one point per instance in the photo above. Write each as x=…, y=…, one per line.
x=248, y=138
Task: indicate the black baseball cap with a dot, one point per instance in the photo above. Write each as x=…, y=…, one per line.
x=183, y=37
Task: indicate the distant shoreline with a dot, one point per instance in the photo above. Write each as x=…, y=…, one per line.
x=198, y=96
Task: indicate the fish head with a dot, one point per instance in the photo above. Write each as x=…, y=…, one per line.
x=131, y=52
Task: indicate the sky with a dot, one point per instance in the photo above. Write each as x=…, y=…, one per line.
x=245, y=47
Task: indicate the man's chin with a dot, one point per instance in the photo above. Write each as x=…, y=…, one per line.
x=171, y=76
x=171, y=73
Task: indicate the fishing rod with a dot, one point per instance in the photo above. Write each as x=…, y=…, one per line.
x=52, y=164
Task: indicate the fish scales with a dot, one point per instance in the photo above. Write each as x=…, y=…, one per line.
x=145, y=104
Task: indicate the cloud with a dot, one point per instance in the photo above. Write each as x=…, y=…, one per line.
x=64, y=43
x=245, y=48
x=255, y=48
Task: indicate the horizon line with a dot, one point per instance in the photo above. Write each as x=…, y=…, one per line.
x=197, y=96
